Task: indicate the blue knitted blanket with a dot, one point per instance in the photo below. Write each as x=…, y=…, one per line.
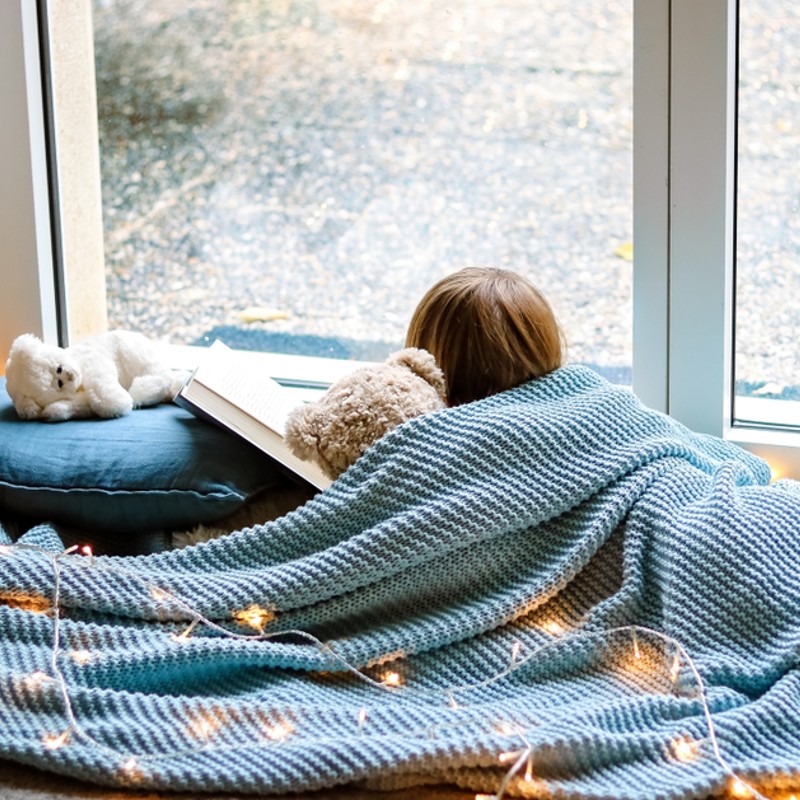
x=553, y=591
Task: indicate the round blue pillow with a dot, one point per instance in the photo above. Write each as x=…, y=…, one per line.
x=154, y=469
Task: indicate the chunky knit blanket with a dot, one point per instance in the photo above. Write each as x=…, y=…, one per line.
x=553, y=591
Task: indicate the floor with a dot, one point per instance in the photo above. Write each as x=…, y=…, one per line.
x=25, y=783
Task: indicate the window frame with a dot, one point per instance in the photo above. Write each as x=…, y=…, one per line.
x=684, y=106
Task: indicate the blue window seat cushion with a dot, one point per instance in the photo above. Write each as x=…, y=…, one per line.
x=155, y=469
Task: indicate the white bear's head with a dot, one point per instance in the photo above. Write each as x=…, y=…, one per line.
x=38, y=374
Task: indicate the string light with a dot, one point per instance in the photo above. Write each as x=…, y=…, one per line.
x=279, y=731
x=53, y=741
x=553, y=627
x=675, y=669
x=392, y=680
x=505, y=758
x=159, y=595
x=131, y=770
x=255, y=616
x=81, y=657
x=685, y=749
x=205, y=726
x=36, y=680
x=506, y=729
x=182, y=637
x=740, y=790
x=528, y=777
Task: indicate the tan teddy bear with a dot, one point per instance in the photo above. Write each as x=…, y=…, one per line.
x=363, y=406
x=336, y=429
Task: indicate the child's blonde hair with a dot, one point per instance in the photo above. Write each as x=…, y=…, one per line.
x=489, y=330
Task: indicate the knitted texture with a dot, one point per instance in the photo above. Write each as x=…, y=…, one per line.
x=551, y=591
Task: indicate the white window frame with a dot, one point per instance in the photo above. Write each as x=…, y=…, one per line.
x=684, y=195
x=685, y=65
x=27, y=277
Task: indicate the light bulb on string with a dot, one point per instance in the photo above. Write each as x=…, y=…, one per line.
x=740, y=790
x=279, y=731
x=637, y=653
x=81, y=657
x=392, y=680
x=184, y=635
x=254, y=616
x=53, y=741
x=685, y=749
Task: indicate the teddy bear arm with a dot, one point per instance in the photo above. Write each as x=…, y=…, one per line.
x=27, y=408
x=149, y=390
x=109, y=401
x=69, y=408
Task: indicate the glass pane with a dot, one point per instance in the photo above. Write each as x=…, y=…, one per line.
x=292, y=176
x=768, y=215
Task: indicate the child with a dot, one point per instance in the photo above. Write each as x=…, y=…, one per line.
x=489, y=330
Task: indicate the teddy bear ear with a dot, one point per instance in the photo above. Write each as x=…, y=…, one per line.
x=421, y=363
x=26, y=344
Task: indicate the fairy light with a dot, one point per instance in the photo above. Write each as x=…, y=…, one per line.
x=392, y=680
x=131, y=770
x=255, y=616
x=739, y=789
x=205, y=726
x=81, y=657
x=637, y=653
x=184, y=635
x=528, y=776
x=54, y=741
x=685, y=749
x=159, y=595
x=279, y=731
x=36, y=680
x=511, y=755
x=675, y=669
x=506, y=729
x=553, y=627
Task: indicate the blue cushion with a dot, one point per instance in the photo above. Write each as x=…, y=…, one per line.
x=155, y=469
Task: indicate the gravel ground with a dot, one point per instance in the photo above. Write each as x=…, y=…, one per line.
x=296, y=173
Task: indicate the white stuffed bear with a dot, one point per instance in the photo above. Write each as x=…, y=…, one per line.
x=102, y=376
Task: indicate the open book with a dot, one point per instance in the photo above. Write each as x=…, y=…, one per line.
x=225, y=390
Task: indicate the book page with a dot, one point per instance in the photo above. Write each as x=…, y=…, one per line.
x=255, y=393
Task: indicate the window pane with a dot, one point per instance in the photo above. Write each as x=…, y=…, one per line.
x=294, y=175
x=768, y=216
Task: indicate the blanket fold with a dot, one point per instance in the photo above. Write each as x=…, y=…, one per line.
x=553, y=590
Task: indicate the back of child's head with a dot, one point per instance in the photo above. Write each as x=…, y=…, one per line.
x=489, y=330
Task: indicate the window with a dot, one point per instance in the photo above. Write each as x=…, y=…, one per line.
x=286, y=176
x=768, y=215
x=684, y=159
